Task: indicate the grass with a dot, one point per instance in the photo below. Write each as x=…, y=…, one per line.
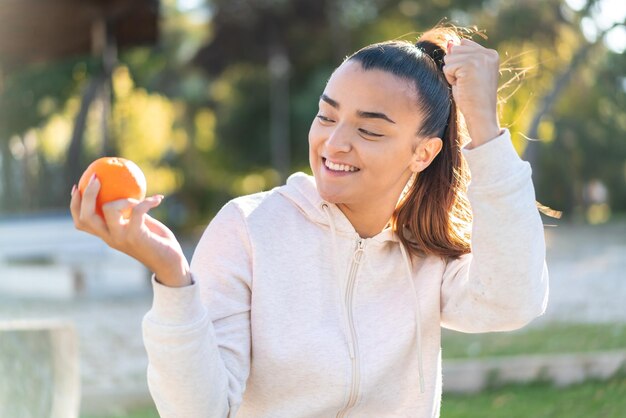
x=148, y=412
x=552, y=338
x=586, y=400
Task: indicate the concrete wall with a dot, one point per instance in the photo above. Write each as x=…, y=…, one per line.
x=48, y=257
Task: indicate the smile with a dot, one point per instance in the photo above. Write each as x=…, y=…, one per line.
x=339, y=167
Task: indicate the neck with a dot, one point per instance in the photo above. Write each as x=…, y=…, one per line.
x=371, y=215
x=366, y=221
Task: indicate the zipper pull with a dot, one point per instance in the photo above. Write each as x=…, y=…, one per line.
x=358, y=253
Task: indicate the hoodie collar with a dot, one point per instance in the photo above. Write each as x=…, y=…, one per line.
x=301, y=190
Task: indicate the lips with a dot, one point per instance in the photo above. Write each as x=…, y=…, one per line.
x=339, y=166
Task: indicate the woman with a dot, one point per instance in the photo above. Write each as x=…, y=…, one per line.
x=325, y=297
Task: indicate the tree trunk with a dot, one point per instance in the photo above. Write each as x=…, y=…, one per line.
x=278, y=66
x=7, y=196
x=73, y=166
x=6, y=188
x=104, y=44
x=109, y=61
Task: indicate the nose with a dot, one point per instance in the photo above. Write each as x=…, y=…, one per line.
x=338, y=140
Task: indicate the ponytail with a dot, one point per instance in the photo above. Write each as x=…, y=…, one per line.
x=434, y=215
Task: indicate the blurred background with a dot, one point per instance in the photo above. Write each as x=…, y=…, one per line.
x=213, y=99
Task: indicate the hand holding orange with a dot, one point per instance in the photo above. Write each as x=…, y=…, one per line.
x=125, y=224
x=119, y=179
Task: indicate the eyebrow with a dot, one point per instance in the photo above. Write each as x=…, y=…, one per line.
x=360, y=113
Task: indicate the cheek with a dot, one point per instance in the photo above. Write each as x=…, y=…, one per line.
x=316, y=139
x=389, y=164
x=314, y=133
x=314, y=144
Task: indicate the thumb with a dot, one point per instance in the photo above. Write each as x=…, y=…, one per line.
x=137, y=215
x=449, y=72
x=455, y=90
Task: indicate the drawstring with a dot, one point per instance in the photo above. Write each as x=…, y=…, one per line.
x=333, y=232
x=418, y=327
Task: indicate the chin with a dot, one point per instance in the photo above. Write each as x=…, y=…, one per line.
x=329, y=197
x=332, y=197
x=330, y=193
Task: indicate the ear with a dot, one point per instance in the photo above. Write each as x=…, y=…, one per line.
x=425, y=152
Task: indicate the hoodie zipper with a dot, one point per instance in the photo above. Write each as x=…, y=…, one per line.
x=354, y=266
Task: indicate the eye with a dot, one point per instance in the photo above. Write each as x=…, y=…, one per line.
x=324, y=119
x=368, y=133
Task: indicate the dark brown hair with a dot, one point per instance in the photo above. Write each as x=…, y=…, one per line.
x=434, y=215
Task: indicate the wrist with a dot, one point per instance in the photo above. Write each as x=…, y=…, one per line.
x=483, y=130
x=174, y=276
x=174, y=281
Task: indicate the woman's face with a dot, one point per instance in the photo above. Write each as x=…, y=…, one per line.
x=363, y=146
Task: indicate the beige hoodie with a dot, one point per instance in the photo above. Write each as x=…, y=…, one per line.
x=293, y=315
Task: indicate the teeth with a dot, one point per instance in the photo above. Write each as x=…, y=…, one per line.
x=339, y=167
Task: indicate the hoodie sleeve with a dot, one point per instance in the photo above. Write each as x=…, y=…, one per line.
x=198, y=337
x=503, y=283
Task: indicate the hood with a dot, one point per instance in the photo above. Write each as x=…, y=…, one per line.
x=301, y=191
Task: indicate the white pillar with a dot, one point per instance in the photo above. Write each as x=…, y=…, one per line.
x=39, y=369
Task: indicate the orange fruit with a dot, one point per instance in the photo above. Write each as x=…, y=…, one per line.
x=119, y=179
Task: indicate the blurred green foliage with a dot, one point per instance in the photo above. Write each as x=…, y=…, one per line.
x=195, y=110
x=541, y=400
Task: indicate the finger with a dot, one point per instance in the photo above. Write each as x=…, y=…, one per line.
x=449, y=46
x=469, y=42
x=455, y=49
x=117, y=214
x=451, y=72
x=89, y=196
x=462, y=56
x=157, y=228
x=89, y=220
x=75, y=205
x=137, y=216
